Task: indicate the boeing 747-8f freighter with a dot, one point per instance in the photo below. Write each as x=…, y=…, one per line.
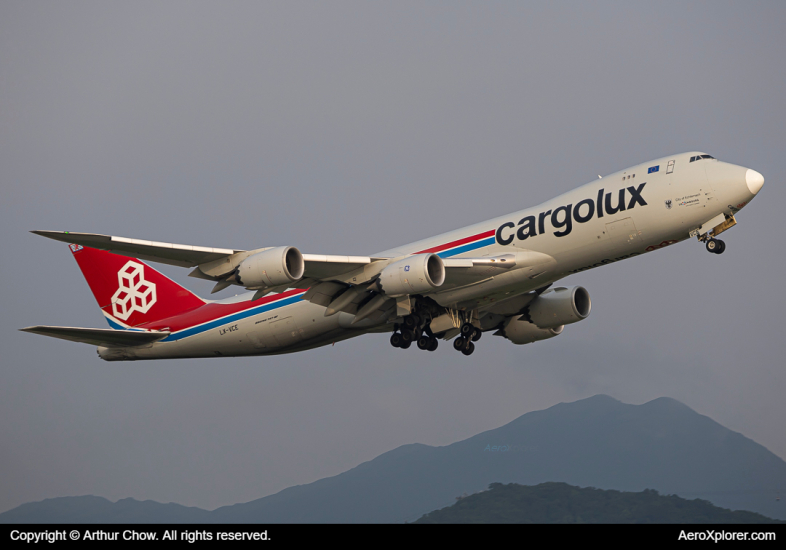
x=495, y=276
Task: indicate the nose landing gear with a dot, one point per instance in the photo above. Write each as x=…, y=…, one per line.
x=711, y=243
x=716, y=246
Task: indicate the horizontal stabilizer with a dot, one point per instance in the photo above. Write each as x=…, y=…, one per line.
x=99, y=336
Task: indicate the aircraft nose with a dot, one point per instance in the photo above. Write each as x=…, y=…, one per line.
x=754, y=181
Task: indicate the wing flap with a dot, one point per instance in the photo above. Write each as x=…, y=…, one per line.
x=469, y=271
x=99, y=336
x=323, y=293
x=461, y=272
x=504, y=261
x=323, y=267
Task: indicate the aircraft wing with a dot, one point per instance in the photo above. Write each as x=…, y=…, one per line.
x=213, y=262
x=99, y=336
x=328, y=277
x=361, y=299
x=181, y=255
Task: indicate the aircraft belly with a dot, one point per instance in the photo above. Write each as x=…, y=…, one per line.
x=296, y=324
x=288, y=328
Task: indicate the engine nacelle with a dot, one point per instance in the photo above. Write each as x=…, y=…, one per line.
x=560, y=306
x=412, y=275
x=277, y=266
x=523, y=332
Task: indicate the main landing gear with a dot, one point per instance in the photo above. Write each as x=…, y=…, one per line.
x=414, y=329
x=464, y=343
x=716, y=246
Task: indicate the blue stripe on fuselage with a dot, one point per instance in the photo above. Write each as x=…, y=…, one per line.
x=250, y=312
x=467, y=247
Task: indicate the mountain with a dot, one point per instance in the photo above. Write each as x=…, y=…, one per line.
x=595, y=442
x=562, y=503
x=90, y=509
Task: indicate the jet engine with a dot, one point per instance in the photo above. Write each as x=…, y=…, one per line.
x=273, y=267
x=559, y=306
x=523, y=332
x=412, y=275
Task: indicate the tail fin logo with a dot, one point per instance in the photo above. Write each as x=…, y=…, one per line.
x=134, y=292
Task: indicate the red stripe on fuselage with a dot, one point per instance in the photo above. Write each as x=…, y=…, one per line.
x=459, y=242
x=210, y=312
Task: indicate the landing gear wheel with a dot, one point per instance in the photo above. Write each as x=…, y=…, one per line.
x=405, y=345
x=433, y=344
x=468, y=349
x=466, y=330
x=406, y=337
x=411, y=321
x=476, y=335
x=716, y=246
x=459, y=343
x=395, y=340
x=424, y=342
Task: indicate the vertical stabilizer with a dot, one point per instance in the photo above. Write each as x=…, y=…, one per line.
x=130, y=292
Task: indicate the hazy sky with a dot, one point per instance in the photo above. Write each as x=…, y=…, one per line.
x=349, y=128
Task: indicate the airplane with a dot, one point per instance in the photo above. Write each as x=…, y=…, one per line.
x=494, y=276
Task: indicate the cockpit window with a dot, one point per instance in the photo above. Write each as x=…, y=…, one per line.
x=699, y=157
x=707, y=157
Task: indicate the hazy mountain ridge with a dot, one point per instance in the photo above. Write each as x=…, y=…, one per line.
x=554, y=502
x=92, y=509
x=595, y=442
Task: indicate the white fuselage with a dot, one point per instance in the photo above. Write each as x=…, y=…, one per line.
x=660, y=208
